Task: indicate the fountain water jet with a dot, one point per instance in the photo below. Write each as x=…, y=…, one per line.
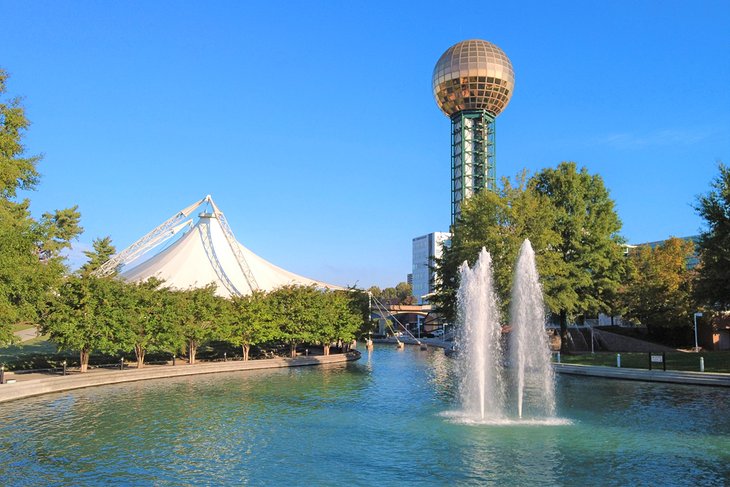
x=480, y=352
x=529, y=347
x=481, y=369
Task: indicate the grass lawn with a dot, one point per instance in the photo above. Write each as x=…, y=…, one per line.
x=714, y=361
x=34, y=353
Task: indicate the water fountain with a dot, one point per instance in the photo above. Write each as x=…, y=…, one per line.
x=529, y=347
x=480, y=351
x=481, y=363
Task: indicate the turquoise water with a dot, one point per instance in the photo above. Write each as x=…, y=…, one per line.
x=384, y=420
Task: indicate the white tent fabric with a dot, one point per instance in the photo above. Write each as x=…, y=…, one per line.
x=203, y=256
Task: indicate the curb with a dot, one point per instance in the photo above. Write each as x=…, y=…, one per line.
x=669, y=376
x=36, y=387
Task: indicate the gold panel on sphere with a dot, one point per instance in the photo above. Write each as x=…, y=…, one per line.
x=473, y=75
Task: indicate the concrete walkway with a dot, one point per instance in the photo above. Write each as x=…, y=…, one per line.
x=671, y=376
x=34, y=384
x=27, y=334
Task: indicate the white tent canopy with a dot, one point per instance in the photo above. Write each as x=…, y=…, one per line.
x=208, y=253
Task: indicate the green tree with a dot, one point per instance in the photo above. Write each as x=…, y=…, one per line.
x=30, y=250
x=16, y=172
x=296, y=313
x=83, y=316
x=658, y=291
x=361, y=303
x=250, y=321
x=713, y=280
x=327, y=310
x=348, y=315
x=375, y=291
x=102, y=251
x=591, y=266
x=197, y=317
x=402, y=293
x=500, y=222
x=147, y=319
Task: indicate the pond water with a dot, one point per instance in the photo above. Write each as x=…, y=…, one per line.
x=384, y=420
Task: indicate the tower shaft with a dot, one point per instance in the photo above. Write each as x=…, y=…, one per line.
x=473, y=166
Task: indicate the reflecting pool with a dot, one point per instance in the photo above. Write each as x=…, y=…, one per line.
x=384, y=420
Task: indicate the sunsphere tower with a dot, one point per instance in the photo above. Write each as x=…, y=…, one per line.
x=472, y=83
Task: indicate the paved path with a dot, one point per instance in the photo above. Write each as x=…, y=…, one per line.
x=672, y=376
x=27, y=334
x=35, y=384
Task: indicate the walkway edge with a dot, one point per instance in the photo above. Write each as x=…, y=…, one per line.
x=37, y=387
x=670, y=376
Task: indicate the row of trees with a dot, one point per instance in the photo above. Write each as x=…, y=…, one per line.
x=402, y=293
x=585, y=265
x=88, y=314
x=111, y=316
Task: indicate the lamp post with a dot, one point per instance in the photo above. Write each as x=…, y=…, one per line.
x=697, y=347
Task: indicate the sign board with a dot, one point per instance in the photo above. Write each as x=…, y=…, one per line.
x=658, y=358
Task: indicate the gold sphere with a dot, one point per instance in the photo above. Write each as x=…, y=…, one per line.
x=473, y=75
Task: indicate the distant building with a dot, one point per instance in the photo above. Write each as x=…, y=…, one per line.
x=425, y=249
x=409, y=280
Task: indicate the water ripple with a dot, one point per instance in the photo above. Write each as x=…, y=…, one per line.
x=389, y=420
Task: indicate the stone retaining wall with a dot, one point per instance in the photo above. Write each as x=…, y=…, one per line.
x=50, y=384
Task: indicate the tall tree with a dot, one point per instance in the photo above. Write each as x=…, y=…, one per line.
x=102, y=250
x=500, y=222
x=713, y=283
x=591, y=263
x=16, y=172
x=658, y=291
x=30, y=250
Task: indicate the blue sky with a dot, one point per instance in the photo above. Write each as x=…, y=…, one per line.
x=313, y=126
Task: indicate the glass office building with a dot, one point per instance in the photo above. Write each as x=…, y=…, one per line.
x=425, y=249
